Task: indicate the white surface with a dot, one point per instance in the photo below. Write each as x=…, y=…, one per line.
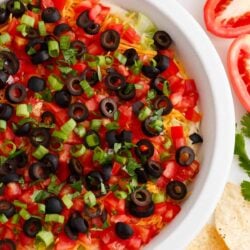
x=195, y=8
x=201, y=60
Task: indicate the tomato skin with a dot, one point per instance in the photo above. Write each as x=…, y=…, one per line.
x=227, y=27
x=12, y=190
x=178, y=137
x=239, y=51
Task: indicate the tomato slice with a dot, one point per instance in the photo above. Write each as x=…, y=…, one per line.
x=227, y=18
x=238, y=62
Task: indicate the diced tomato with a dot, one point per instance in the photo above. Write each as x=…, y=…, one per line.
x=116, y=168
x=170, y=169
x=171, y=70
x=192, y=115
x=59, y=4
x=177, y=135
x=95, y=11
x=112, y=203
x=79, y=67
x=64, y=242
x=131, y=36
x=48, y=3
x=116, y=26
x=25, y=240
x=85, y=5
x=12, y=190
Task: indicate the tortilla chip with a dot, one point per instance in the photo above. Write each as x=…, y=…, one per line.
x=232, y=218
x=208, y=239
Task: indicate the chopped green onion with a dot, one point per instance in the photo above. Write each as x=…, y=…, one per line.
x=22, y=110
x=99, y=73
x=40, y=152
x=144, y=113
x=89, y=199
x=87, y=88
x=3, y=218
x=77, y=185
x=54, y=218
x=55, y=82
x=8, y=147
x=15, y=219
x=121, y=159
x=117, y=147
x=42, y=28
x=3, y=125
x=158, y=198
x=103, y=188
x=22, y=28
x=77, y=150
x=109, y=60
x=157, y=125
x=92, y=140
x=168, y=143
x=31, y=52
x=121, y=194
x=138, y=86
x=2, y=161
x=99, y=155
x=64, y=42
x=96, y=124
x=46, y=237
x=136, y=68
x=28, y=20
x=153, y=62
x=39, y=195
x=166, y=90
x=116, y=115
x=5, y=38
x=24, y=214
x=36, y=10
x=164, y=156
x=68, y=126
x=41, y=208
x=60, y=135
x=17, y=5
x=53, y=47
x=112, y=126
x=19, y=204
x=56, y=143
x=67, y=201
x=25, y=120
x=101, y=60
x=80, y=130
x=93, y=64
x=120, y=57
x=151, y=94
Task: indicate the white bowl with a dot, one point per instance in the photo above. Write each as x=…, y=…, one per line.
x=218, y=124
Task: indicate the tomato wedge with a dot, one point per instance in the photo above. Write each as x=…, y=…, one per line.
x=227, y=18
x=238, y=66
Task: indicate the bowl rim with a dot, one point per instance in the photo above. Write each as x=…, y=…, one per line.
x=224, y=140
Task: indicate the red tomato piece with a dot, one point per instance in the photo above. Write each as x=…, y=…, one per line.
x=178, y=137
x=238, y=61
x=226, y=19
x=48, y=3
x=12, y=190
x=131, y=36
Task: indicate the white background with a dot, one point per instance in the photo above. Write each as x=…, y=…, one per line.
x=195, y=8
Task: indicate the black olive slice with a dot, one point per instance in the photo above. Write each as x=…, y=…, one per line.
x=78, y=111
x=3, y=79
x=184, y=156
x=150, y=71
x=93, y=181
x=73, y=178
x=195, y=138
x=62, y=98
x=176, y=190
x=20, y=160
x=141, y=212
x=147, y=128
x=141, y=197
x=53, y=205
x=80, y=48
x=162, y=62
x=111, y=138
x=7, y=244
x=92, y=139
x=127, y=93
x=91, y=76
x=165, y=103
x=75, y=167
x=73, y=86
x=157, y=84
x=77, y=223
x=7, y=208
x=15, y=93
x=71, y=234
x=50, y=15
x=38, y=171
x=36, y=84
x=125, y=136
x=9, y=178
x=4, y=15
x=10, y=62
x=144, y=149
x=132, y=56
x=92, y=28
x=40, y=136
x=153, y=168
x=107, y=171
x=24, y=129
x=51, y=162
x=136, y=107
x=141, y=175
x=61, y=28
x=83, y=19
x=108, y=107
x=123, y=230
x=8, y=167
x=36, y=44
x=16, y=12
x=162, y=39
x=40, y=57
x=110, y=40
x=6, y=111
x=32, y=33
x=32, y=226
x=48, y=118
x=93, y=212
x=115, y=81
